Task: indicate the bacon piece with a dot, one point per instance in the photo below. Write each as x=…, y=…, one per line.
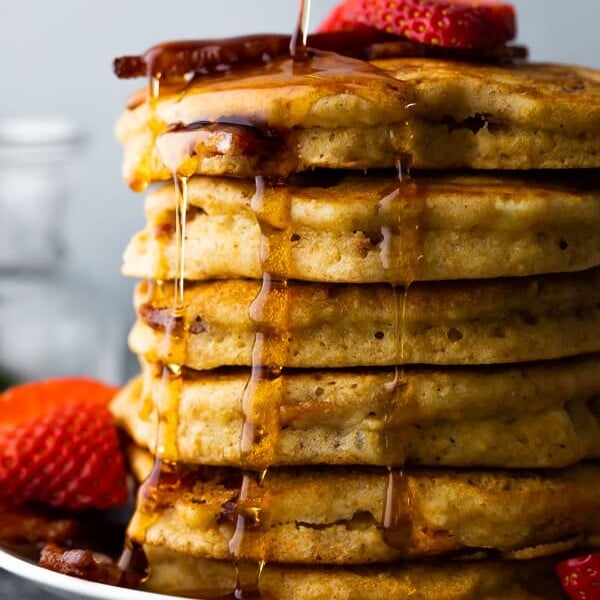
x=188, y=59
x=22, y=526
x=86, y=565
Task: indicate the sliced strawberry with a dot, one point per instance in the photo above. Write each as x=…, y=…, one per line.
x=59, y=445
x=580, y=577
x=458, y=23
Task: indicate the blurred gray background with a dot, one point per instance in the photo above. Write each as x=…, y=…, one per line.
x=56, y=60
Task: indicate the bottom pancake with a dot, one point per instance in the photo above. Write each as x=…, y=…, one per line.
x=178, y=574
x=344, y=515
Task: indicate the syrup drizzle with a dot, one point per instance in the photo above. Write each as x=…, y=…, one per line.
x=407, y=231
x=270, y=148
x=174, y=342
x=270, y=313
x=262, y=396
x=174, y=338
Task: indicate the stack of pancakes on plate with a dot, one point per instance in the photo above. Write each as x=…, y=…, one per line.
x=359, y=382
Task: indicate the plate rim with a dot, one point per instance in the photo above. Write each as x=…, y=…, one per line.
x=16, y=565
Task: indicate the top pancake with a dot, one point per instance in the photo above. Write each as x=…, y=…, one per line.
x=341, y=113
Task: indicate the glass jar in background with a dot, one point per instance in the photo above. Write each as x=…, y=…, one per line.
x=53, y=322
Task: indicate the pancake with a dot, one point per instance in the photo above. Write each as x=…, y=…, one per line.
x=363, y=229
x=540, y=415
x=320, y=325
x=341, y=113
x=174, y=573
x=335, y=515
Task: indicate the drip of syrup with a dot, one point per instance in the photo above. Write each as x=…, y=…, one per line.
x=402, y=266
x=175, y=338
x=263, y=393
x=397, y=513
x=249, y=514
x=270, y=313
x=164, y=473
x=132, y=557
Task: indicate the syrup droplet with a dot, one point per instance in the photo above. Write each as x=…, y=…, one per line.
x=397, y=513
x=401, y=210
x=249, y=506
x=174, y=339
x=133, y=559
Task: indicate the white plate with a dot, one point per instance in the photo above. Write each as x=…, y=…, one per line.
x=69, y=587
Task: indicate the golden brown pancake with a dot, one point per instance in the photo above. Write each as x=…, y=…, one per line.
x=540, y=415
x=363, y=229
x=176, y=573
x=336, y=515
x=320, y=325
x=441, y=114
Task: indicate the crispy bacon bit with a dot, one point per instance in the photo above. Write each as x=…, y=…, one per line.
x=474, y=123
x=21, y=526
x=230, y=138
x=129, y=67
x=178, y=59
x=228, y=512
x=86, y=565
x=408, y=49
x=161, y=319
x=188, y=59
x=198, y=326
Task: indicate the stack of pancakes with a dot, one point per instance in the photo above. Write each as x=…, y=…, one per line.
x=358, y=382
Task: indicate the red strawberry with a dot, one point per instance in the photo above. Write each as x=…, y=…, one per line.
x=580, y=577
x=59, y=445
x=448, y=23
x=341, y=19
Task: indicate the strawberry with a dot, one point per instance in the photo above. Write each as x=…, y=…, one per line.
x=59, y=446
x=340, y=19
x=580, y=577
x=447, y=23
